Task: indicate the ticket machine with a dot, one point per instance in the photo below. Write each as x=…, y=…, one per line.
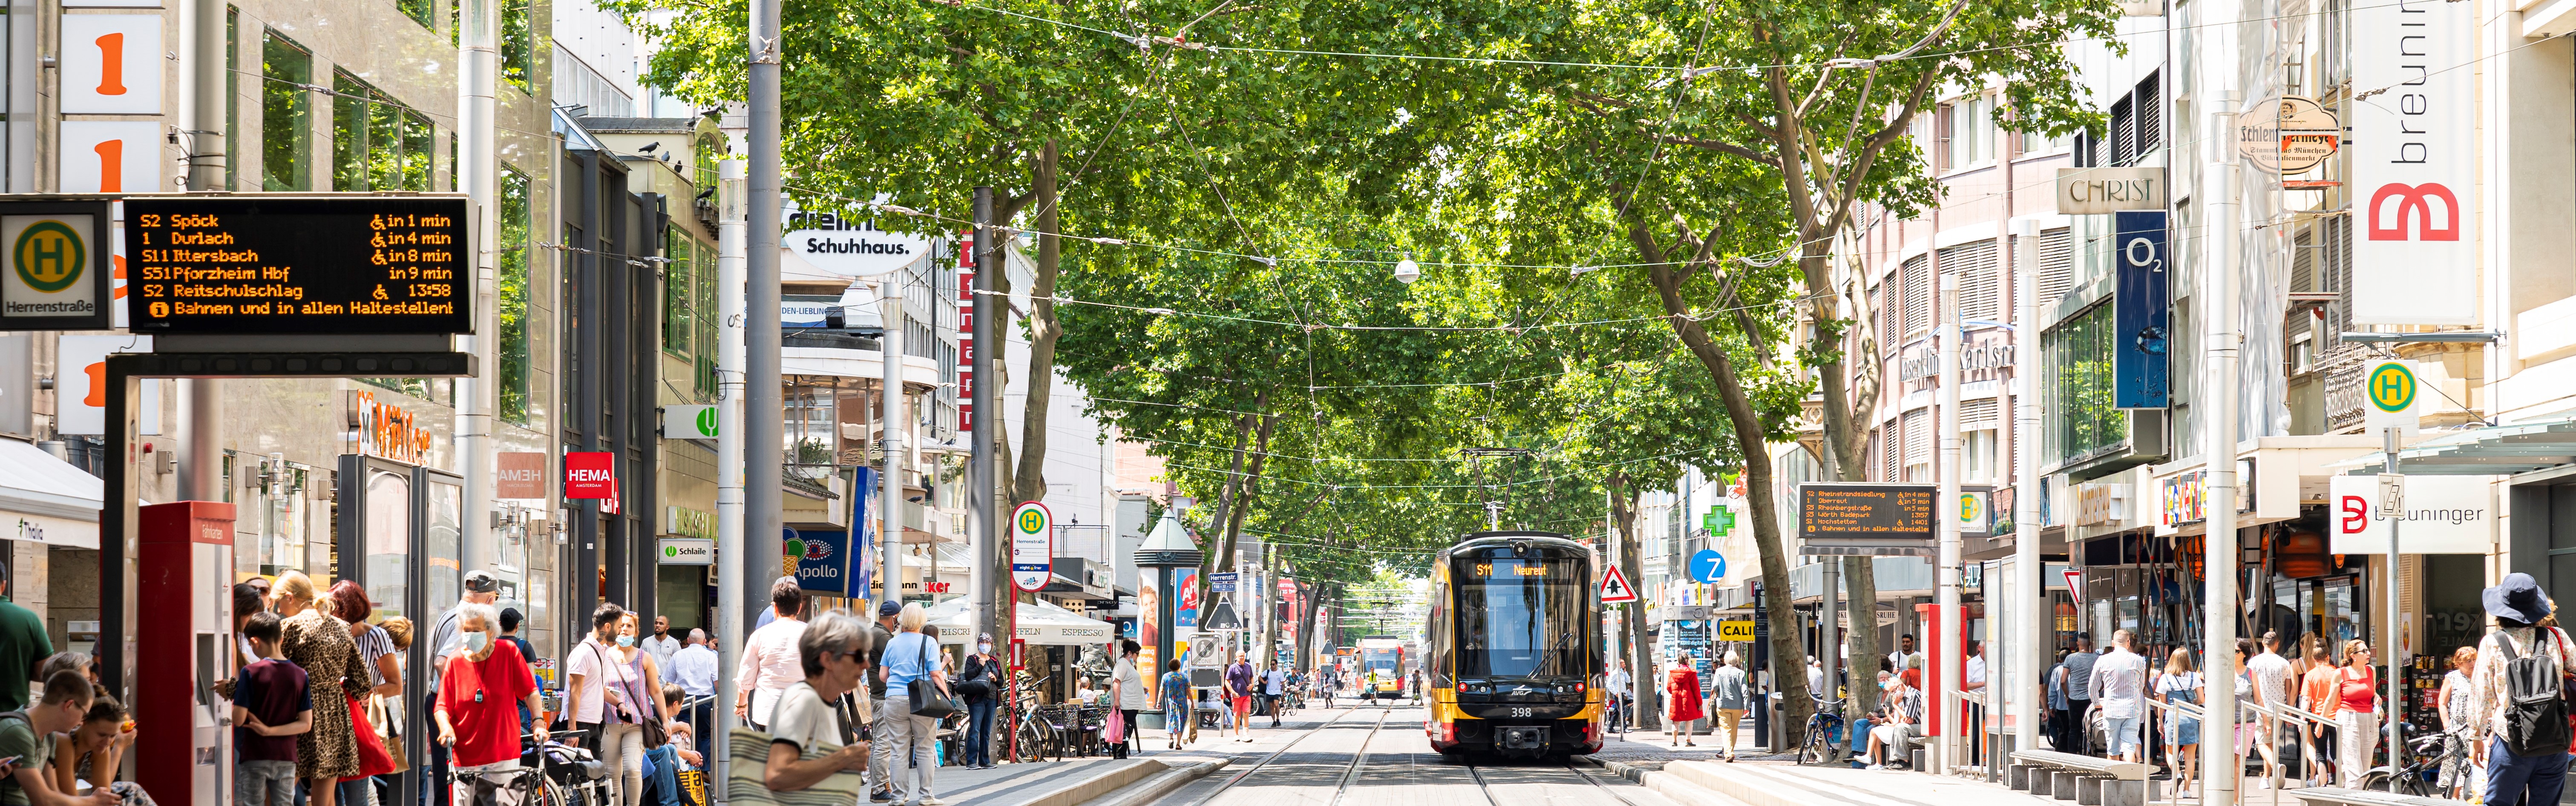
x=183, y=644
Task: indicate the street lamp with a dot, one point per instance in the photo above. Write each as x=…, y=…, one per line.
x=1407, y=271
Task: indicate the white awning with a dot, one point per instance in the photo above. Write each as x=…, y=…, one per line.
x=47, y=500
x=1038, y=623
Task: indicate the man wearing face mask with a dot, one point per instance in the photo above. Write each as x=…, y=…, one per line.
x=982, y=676
x=480, y=689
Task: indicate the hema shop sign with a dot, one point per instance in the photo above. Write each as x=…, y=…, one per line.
x=2441, y=515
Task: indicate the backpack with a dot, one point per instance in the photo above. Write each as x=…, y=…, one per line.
x=2535, y=709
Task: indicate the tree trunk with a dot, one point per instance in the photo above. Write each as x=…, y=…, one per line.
x=1644, y=711
x=1788, y=656
x=1029, y=483
x=1860, y=575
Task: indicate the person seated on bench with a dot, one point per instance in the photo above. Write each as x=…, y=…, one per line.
x=1904, y=711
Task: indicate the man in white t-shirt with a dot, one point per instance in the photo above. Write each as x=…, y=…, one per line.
x=2119, y=688
x=1274, y=683
x=2271, y=675
x=1973, y=678
x=1905, y=652
x=803, y=720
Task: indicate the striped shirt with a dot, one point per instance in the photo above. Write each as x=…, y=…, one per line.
x=373, y=644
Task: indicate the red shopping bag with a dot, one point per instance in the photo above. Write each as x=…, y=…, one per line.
x=372, y=757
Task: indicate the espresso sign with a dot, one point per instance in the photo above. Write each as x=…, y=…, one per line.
x=1867, y=512
x=299, y=265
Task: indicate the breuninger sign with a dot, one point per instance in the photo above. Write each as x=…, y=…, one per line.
x=2439, y=515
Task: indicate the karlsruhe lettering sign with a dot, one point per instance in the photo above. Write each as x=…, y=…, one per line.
x=2096, y=191
x=299, y=265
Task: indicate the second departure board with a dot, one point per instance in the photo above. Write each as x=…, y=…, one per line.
x=1865, y=511
x=298, y=265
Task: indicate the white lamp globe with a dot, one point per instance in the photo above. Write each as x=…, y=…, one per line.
x=1408, y=271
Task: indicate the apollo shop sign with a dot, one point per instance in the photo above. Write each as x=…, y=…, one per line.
x=2436, y=515
x=2412, y=164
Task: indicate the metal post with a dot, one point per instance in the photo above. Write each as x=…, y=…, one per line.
x=2221, y=608
x=981, y=522
x=2029, y=637
x=732, y=561
x=478, y=174
x=1947, y=648
x=2393, y=651
x=890, y=479
x=763, y=432
x=202, y=478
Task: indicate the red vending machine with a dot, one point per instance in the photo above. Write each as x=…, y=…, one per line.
x=183, y=644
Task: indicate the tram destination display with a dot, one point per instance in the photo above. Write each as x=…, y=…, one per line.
x=299, y=265
x=1857, y=517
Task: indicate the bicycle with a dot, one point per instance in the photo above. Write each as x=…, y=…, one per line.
x=2429, y=753
x=1824, y=743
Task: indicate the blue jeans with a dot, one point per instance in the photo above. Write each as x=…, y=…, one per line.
x=663, y=786
x=2517, y=780
x=979, y=732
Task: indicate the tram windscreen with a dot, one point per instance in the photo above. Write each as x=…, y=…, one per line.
x=1521, y=617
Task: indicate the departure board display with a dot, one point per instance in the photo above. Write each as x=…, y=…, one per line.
x=1877, y=512
x=298, y=265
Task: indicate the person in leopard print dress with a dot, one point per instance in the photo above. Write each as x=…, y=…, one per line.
x=319, y=642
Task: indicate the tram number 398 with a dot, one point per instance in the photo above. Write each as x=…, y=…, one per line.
x=1520, y=712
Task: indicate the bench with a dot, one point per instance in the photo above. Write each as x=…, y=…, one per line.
x=2086, y=780
x=2338, y=796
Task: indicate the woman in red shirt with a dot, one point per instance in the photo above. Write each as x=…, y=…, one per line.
x=478, y=697
x=2355, y=710
x=1681, y=700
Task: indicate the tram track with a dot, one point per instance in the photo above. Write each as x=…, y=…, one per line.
x=1359, y=759
x=1275, y=755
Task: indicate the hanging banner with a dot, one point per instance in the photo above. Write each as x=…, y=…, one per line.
x=821, y=558
x=863, y=496
x=590, y=474
x=2139, y=307
x=2412, y=162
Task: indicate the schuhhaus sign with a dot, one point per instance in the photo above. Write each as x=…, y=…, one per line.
x=2412, y=160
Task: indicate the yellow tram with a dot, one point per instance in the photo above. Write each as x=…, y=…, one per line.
x=1512, y=655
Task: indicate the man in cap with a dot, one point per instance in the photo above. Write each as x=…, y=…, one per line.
x=2539, y=775
x=881, y=755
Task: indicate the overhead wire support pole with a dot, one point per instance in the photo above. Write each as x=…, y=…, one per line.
x=2028, y=647
x=2222, y=608
x=764, y=429
x=982, y=522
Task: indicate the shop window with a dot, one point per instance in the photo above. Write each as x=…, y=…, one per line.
x=679, y=287
x=377, y=143
x=517, y=38
x=285, y=115
x=513, y=251
x=2079, y=367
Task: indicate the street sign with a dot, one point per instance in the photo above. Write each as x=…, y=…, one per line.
x=300, y=265
x=57, y=275
x=1032, y=546
x=1708, y=566
x=2075, y=584
x=689, y=422
x=1865, y=518
x=1221, y=618
x=1735, y=630
x=1615, y=588
x=2393, y=390
x=1221, y=583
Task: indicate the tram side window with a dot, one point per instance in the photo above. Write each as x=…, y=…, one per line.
x=1518, y=618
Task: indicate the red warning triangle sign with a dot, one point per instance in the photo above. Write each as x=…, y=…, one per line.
x=1615, y=588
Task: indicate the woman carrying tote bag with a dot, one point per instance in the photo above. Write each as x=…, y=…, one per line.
x=911, y=665
x=808, y=758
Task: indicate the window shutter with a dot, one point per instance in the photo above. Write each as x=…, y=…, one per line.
x=1979, y=415
x=1891, y=450
x=2057, y=264
x=2149, y=104
x=1918, y=295
x=1972, y=267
